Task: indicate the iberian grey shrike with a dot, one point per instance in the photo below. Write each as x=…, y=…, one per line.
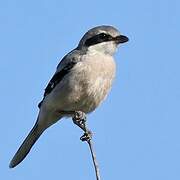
x=81, y=82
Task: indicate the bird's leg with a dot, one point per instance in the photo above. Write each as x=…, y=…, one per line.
x=79, y=119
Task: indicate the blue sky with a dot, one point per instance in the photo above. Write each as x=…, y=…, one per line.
x=136, y=130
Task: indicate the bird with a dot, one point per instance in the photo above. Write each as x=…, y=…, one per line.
x=82, y=80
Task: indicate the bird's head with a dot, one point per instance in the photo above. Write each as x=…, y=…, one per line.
x=103, y=39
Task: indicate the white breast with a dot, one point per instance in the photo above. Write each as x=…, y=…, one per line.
x=99, y=72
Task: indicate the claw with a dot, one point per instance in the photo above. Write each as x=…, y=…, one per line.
x=87, y=136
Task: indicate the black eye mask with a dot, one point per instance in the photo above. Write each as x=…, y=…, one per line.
x=99, y=38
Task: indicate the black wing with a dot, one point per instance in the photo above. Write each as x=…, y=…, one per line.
x=57, y=78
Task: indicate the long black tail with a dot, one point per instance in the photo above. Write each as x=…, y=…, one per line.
x=26, y=146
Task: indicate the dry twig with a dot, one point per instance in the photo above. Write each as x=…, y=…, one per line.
x=80, y=120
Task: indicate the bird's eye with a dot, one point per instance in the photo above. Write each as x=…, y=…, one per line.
x=103, y=36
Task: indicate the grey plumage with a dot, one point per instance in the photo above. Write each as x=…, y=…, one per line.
x=81, y=82
x=26, y=145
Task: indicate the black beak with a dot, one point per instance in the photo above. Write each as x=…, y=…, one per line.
x=121, y=39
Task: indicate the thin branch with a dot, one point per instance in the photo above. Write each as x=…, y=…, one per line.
x=80, y=120
x=96, y=167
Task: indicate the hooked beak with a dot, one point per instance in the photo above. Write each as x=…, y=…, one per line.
x=121, y=39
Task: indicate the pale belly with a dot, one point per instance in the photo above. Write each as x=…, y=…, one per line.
x=96, y=92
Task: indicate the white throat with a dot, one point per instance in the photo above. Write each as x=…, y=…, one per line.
x=107, y=48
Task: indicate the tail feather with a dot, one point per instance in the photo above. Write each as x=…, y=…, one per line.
x=26, y=146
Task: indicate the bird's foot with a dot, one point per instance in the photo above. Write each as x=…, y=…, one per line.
x=87, y=136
